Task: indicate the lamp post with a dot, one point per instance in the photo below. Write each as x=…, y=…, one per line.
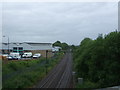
x=8, y=44
x=46, y=61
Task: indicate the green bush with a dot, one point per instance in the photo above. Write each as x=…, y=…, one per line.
x=87, y=84
x=98, y=60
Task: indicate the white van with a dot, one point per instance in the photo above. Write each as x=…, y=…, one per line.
x=15, y=55
x=27, y=55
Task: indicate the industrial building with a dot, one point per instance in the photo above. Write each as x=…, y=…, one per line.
x=56, y=48
x=27, y=47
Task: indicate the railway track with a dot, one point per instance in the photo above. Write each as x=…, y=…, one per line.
x=60, y=76
x=65, y=80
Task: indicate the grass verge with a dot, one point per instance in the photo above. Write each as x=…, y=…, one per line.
x=24, y=74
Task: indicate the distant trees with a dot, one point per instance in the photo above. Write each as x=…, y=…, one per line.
x=99, y=60
x=64, y=46
x=57, y=43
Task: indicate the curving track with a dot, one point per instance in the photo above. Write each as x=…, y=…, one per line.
x=60, y=76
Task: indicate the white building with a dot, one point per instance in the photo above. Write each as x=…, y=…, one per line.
x=56, y=49
x=27, y=47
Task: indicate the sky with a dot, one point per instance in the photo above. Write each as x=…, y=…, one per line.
x=47, y=22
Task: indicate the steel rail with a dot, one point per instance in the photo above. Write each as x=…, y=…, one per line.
x=51, y=74
x=60, y=76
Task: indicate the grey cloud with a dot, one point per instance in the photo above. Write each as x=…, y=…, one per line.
x=48, y=22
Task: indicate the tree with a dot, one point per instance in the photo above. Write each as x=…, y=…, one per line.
x=98, y=60
x=57, y=43
x=64, y=46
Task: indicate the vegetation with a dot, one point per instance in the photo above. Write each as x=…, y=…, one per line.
x=25, y=74
x=64, y=46
x=13, y=66
x=98, y=61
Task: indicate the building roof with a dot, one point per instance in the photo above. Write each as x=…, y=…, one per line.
x=36, y=43
x=28, y=46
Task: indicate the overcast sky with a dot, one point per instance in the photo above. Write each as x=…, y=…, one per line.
x=66, y=22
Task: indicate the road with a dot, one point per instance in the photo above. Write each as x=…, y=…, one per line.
x=60, y=76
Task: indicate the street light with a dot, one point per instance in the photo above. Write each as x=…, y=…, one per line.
x=8, y=44
x=46, y=61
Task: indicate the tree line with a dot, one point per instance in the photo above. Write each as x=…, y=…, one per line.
x=63, y=45
x=98, y=61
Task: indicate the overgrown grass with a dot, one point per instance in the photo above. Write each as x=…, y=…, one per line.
x=87, y=84
x=13, y=66
x=26, y=79
x=30, y=71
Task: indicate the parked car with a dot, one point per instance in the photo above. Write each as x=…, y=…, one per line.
x=4, y=55
x=37, y=55
x=15, y=55
x=9, y=57
x=27, y=55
